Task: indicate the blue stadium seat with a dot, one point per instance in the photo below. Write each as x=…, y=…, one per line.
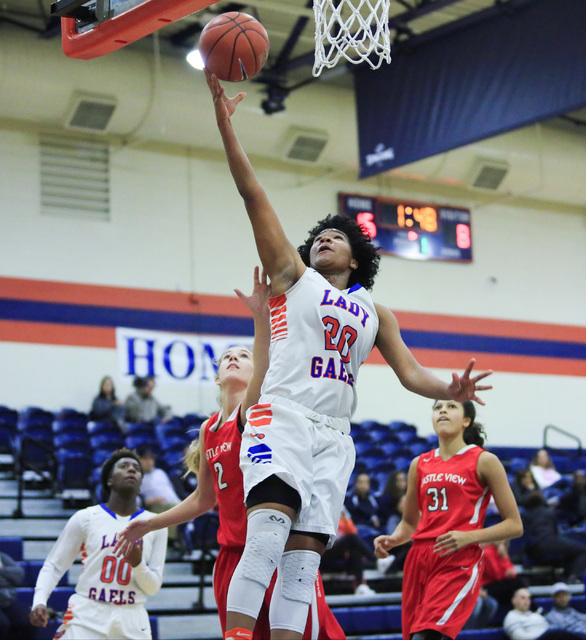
x=7, y=437
x=57, y=600
x=99, y=456
x=139, y=440
x=31, y=572
x=96, y=427
x=110, y=441
x=74, y=470
x=192, y=420
x=72, y=441
x=14, y=547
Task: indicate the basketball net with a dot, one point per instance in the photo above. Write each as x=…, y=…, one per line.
x=357, y=30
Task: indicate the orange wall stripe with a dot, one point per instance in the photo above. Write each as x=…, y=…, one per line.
x=71, y=335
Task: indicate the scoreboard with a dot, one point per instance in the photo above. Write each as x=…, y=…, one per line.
x=409, y=229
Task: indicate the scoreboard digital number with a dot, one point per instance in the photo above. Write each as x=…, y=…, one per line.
x=415, y=230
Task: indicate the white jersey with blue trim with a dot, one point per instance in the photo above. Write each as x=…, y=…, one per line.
x=105, y=578
x=319, y=338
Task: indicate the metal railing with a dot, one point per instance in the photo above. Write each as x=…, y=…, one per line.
x=26, y=465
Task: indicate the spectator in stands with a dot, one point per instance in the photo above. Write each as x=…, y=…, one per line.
x=545, y=544
x=394, y=489
x=349, y=552
x=14, y=621
x=572, y=504
x=401, y=551
x=484, y=611
x=523, y=485
x=562, y=615
x=142, y=406
x=110, y=593
x=500, y=576
x=157, y=491
x=523, y=624
x=106, y=406
x=363, y=508
x=543, y=469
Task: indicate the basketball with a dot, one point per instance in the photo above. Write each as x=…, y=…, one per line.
x=234, y=46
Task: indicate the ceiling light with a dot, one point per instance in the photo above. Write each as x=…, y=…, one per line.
x=195, y=60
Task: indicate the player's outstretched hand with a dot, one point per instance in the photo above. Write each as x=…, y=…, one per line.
x=39, y=616
x=128, y=538
x=383, y=544
x=224, y=106
x=258, y=300
x=465, y=388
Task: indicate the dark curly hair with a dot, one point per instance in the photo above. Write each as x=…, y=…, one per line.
x=363, y=251
x=109, y=464
x=474, y=432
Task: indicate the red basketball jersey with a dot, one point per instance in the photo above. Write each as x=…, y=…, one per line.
x=450, y=494
x=222, y=452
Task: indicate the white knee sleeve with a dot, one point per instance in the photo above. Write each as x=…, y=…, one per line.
x=294, y=590
x=267, y=532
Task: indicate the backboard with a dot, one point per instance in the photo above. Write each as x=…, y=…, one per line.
x=93, y=28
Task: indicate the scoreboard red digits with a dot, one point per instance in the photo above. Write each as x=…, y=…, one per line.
x=409, y=229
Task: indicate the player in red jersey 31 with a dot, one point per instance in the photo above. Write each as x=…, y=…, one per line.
x=448, y=491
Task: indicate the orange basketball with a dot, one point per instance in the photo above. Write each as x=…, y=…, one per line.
x=234, y=46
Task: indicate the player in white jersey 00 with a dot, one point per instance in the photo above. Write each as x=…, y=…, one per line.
x=297, y=454
x=110, y=594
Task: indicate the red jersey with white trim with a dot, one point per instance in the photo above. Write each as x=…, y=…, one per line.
x=320, y=336
x=222, y=452
x=105, y=577
x=450, y=495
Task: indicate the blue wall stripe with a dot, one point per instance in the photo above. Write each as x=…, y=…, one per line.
x=94, y=316
x=30, y=311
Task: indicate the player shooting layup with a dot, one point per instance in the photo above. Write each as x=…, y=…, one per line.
x=109, y=597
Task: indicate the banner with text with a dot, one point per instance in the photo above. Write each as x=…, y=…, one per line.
x=173, y=358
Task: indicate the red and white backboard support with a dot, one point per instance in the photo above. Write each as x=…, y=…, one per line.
x=130, y=26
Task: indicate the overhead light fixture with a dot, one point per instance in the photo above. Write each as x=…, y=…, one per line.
x=195, y=60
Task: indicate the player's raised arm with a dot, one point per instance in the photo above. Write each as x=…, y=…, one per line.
x=258, y=303
x=416, y=378
x=278, y=256
x=201, y=500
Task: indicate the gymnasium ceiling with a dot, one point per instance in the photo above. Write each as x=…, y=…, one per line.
x=290, y=25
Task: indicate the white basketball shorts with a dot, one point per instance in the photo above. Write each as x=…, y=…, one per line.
x=87, y=619
x=301, y=447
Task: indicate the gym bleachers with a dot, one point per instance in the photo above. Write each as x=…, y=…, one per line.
x=184, y=608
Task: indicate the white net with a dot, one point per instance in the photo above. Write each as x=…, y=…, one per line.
x=357, y=30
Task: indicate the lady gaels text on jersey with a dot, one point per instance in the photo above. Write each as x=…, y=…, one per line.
x=105, y=577
x=451, y=496
x=317, y=368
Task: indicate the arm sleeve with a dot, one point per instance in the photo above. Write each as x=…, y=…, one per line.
x=61, y=557
x=149, y=573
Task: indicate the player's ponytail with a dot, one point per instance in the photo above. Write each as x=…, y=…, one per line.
x=474, y=433
x=192, y=458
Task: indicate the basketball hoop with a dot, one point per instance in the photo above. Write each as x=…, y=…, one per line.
x=357, y=30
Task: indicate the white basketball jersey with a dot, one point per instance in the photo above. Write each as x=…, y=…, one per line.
x=319, y=338
x=105, y=577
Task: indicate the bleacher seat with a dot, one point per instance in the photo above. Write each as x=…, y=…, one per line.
x=14, y=547
x=74, y=470
x=72, y=441
x=107, y=440
x=369, y=619
x=57, y=600
x=31, y=572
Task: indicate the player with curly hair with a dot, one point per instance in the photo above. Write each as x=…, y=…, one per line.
x=297, y=454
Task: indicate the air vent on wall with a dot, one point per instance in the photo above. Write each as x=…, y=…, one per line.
x=91, y=113
x=489, y=175
x=75, y=176
x=305, y=145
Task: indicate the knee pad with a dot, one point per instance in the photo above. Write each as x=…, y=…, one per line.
x=294, y=590
x=267, y=533
x=299, y=573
